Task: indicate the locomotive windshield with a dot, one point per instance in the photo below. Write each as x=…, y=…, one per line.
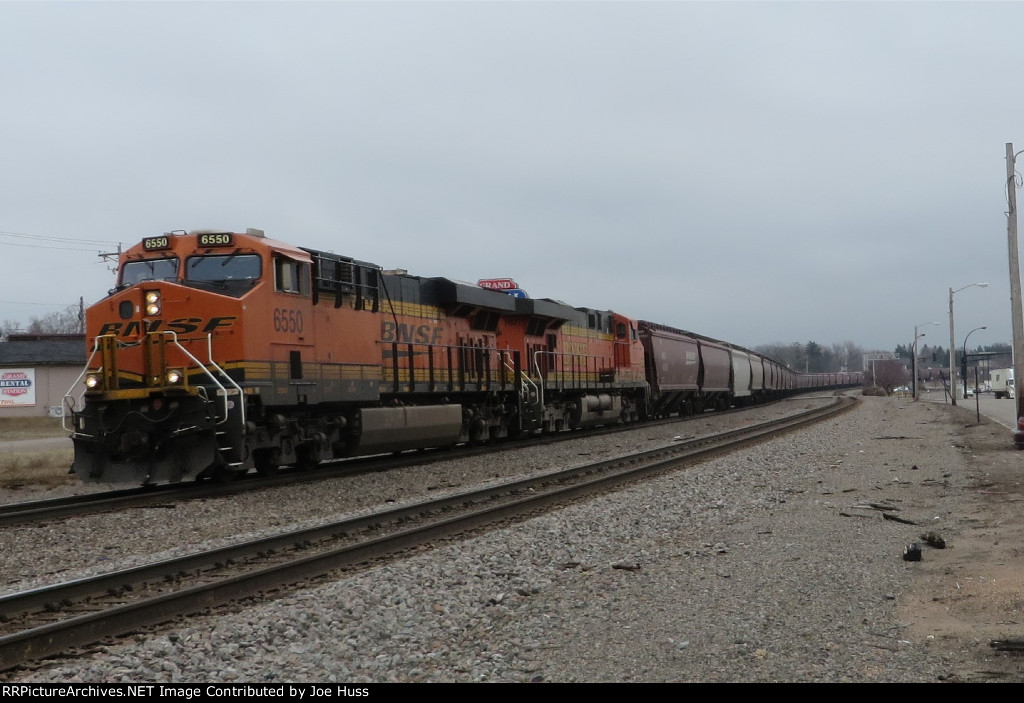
x=223, y=267
x=149, y=270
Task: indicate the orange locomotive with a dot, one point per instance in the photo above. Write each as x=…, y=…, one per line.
x=222, y=352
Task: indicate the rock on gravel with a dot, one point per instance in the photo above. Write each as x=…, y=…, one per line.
x=773, y=564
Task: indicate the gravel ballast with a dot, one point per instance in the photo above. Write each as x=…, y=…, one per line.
x=772, y=564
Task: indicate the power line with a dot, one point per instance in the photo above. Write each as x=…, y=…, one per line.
x=50, y=238
x=40, y=246
x=55, y=240
x=25, y=302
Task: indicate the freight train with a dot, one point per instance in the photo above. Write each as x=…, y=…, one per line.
x=223, y=352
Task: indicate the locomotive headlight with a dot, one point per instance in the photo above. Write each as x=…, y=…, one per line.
x=92, y=381
x=152, y=298
x=175, y=377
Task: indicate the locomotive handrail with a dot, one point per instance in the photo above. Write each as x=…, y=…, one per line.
x=174, y=338
x=201, y=365
x=241, y=394
x=467, y=365
x=575, y=372
x=69, y=394
x=506, y=356
x=540, y=376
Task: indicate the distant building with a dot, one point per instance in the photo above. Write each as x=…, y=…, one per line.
x=36, y=371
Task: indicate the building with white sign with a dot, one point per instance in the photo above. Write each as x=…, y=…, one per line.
x=36, y=370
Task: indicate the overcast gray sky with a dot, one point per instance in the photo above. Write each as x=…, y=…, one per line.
x=758, y=172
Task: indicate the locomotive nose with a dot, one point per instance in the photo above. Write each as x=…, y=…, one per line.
x=133, y=443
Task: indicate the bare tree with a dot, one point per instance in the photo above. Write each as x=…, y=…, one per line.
x=66, y=321
x=889, y=374
x=847, y=356
x=7, y=328
x=813, y=357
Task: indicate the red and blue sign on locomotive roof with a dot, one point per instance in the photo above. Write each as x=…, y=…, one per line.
x=505, y=285
x=497, y=283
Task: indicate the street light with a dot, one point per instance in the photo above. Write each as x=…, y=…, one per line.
x=965, y=356
x=913, y=364
x=952, y=339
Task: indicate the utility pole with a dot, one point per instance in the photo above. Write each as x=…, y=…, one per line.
x=913, y=366
x=115, y=256
x=1015, y=300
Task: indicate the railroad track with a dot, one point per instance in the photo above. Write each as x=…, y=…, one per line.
x=50, y=621
x=142, y=496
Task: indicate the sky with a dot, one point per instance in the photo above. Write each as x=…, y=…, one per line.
x=758, y=172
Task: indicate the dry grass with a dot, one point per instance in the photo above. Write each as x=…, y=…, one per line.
x=47, y=468
x=37, y=466
x=30, y=428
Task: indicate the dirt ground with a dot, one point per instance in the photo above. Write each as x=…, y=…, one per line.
x=970, y=595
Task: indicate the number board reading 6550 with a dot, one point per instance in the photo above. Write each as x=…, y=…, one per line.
x=215, y=239
x=156, y=243
x=287, y=320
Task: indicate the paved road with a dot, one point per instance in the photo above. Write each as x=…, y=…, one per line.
x=1002, y=411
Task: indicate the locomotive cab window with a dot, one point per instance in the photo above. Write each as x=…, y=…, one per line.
x=149, y=270
x=223, y=267
x=291, y=276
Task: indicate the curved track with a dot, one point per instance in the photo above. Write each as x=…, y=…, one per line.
x=50, y=621
x=123, y=499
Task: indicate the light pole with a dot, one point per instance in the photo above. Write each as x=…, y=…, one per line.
x=952, y=340
x=965, y=356
x=913, y=365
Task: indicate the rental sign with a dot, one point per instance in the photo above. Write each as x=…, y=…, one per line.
x=17, y=387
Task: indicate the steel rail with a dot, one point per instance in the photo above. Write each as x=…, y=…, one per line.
x=141, y=496
x=57, y=637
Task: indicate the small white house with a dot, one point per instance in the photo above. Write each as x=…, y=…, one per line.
x=36, y=371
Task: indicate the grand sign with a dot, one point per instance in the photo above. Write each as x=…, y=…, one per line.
x=17, y=387
x=503, y=284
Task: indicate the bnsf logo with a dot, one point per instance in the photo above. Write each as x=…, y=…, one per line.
x=182, y=325
x=423, y=334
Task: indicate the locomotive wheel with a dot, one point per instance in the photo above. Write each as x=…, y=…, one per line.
x=307, y=458
x=218, y=471
x=224, y=474
x=267, y=461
